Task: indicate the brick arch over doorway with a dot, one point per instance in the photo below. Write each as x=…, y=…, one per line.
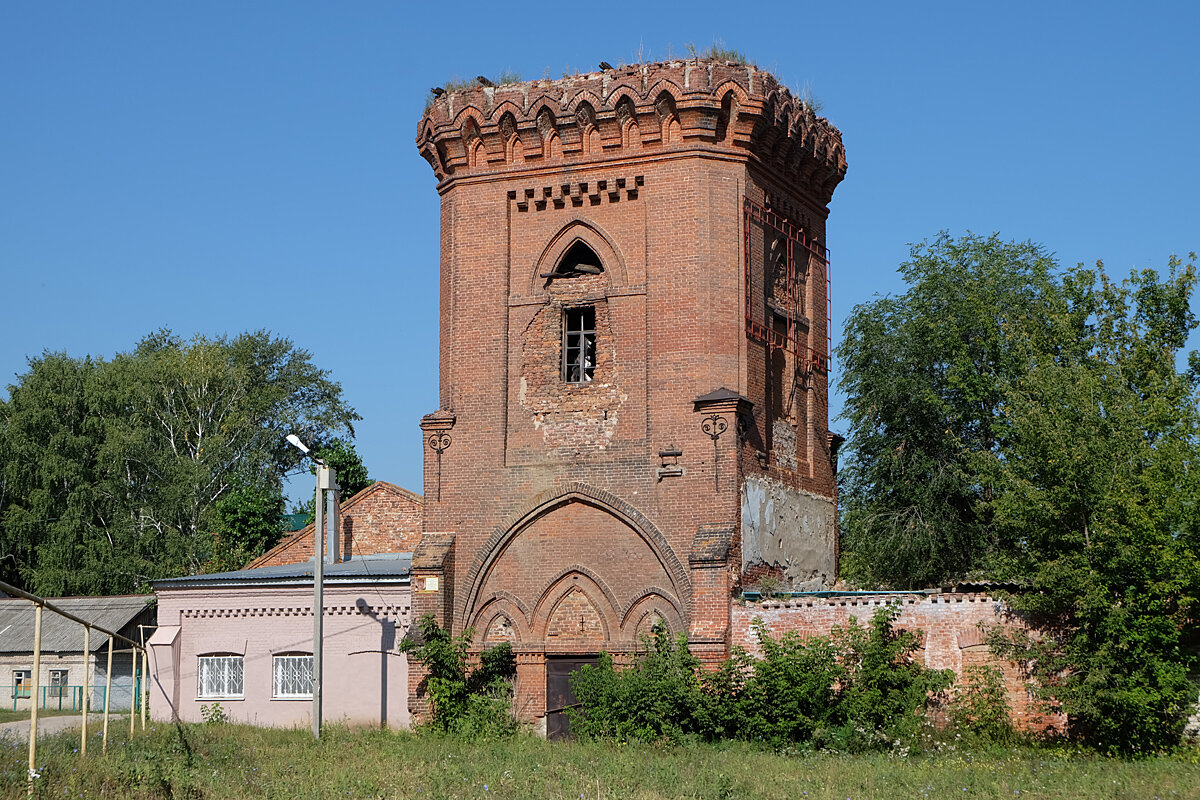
x=554, y=526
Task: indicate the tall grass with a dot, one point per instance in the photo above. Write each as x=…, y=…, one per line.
x=232, y=761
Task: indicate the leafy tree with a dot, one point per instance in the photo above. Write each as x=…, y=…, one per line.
x=113, y=471
x=1099, y=489
x=1030, y=425
x=925, y=376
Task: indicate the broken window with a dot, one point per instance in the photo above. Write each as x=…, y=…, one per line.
x=579, y=344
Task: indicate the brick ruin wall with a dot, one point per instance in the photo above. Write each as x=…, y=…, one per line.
x=952, y=625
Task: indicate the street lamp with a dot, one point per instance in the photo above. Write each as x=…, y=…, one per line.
x=326, y=482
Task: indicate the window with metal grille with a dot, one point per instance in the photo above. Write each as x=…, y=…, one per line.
x=58, y=683
x=579, y=344
x=293, y=676
x=220, y=676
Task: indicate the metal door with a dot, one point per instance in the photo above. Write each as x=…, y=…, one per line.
x=558, y=692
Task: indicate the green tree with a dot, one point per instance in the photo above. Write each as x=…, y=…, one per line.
x=113, y=471
x=925, y=376
x=1099, y=492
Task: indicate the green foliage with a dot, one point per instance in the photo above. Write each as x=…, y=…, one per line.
x=116, y=473
x=247, y=523
x=660, y=697
x=475, y=704
x=1036, y=426
x=349, y=469
x=925, y=376
x=214, y=714
x=980, y=705
x=1099, y=492
x=858, y=691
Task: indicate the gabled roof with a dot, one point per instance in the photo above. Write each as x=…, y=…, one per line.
x=62, y=635
x=376, y=568
x=348, y=507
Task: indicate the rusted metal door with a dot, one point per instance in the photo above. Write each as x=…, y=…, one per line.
x=558, y=692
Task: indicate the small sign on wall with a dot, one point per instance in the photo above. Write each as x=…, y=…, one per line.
x=427, y=583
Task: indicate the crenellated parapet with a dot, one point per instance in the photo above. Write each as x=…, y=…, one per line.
x=722, y=106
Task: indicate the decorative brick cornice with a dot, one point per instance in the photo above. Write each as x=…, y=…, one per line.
x=643, y=109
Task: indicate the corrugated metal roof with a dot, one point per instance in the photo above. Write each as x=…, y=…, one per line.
x=388, y=567
x=62, y=635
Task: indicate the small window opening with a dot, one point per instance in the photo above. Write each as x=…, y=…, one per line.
x=579, y=344
x=578, y=260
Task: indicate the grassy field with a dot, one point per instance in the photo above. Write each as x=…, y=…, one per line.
x=228, y=761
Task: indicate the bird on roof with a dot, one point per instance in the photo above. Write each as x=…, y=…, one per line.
x=437, y=91
x=605, y=65
x=484, y=81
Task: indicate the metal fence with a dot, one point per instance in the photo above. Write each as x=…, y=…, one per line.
x=70, y=698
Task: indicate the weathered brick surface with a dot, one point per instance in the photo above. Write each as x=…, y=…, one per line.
x=952, y=625
x=383, y=518
x=565, y=537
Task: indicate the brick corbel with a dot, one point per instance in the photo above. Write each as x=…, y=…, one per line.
x=436, y=429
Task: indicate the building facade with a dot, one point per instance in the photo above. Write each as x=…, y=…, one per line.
x=633, y=367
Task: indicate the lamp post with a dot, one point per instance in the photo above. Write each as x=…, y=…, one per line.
x=326, y=482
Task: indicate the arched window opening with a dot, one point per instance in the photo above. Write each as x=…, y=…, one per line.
x=578, y=260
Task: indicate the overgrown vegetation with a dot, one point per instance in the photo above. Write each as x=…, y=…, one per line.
x=1013, y=420
x=859, y=690
x=474, y=703
x=237, y=762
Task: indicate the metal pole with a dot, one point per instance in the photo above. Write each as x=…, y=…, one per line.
x=87, y=668
x=318, y=595
x=33, y=706
x=107, y=694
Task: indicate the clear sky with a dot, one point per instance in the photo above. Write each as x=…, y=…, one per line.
x=218, y=167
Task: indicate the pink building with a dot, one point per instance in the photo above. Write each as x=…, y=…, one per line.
x=243, y=641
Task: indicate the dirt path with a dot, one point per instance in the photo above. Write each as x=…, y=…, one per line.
x=48, y=726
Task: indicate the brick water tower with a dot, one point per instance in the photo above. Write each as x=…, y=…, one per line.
x=634, y=361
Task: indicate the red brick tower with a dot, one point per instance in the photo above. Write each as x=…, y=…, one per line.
x=634, y=342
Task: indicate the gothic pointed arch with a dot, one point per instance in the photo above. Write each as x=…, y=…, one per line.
x=541, y=505
x=592, y=236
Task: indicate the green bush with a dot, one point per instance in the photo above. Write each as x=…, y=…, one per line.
x=859, y=690
x=979, y=704
x=659, y=697
x=476, y=704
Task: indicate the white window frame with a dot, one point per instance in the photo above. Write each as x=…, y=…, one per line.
x=59, y=681
x=228, y=670
x=22, y=683
x=288, y=676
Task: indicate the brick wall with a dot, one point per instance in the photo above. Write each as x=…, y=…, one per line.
x=383, y=518
x=953, y=627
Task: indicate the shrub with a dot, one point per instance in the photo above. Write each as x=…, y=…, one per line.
x=658, y=697
x=979, y=704
x=477, y=703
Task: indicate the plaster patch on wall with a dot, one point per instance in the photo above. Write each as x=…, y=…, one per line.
x=789, y=532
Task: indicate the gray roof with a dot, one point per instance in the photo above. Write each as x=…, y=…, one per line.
x=376, y=568
x=62, y=635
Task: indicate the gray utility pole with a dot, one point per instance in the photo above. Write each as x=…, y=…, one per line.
x=326, y=509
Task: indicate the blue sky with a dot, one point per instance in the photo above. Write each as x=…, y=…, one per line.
x=226, y=166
